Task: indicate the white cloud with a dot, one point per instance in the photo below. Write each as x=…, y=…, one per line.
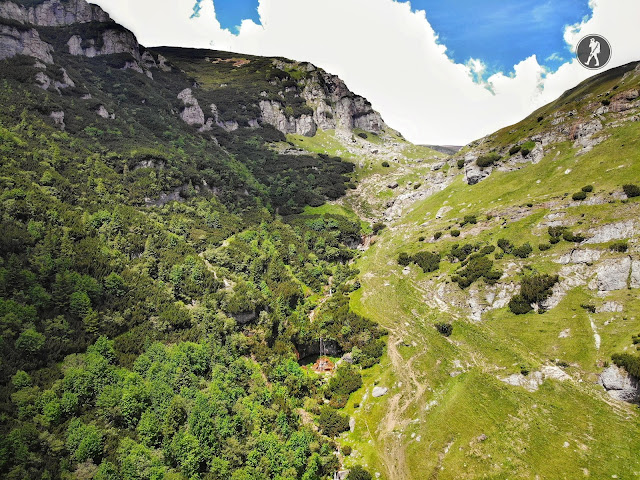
x=555, y=56
x=389, y=54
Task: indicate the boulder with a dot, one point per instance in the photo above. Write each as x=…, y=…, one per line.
x=619, y=384
x=379, y=391
x=610, y=307
x=58, y=119
x=472, y=172
x=530, y=382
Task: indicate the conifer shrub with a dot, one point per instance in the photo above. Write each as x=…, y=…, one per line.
x=505, y=245
x=460, y=252
x=515, y=149
x=527, y=147
x=429, y=262
x=455, y=232
x=631, y=363
x=358, y=473
x=619, y=246
x=631, y=190
x=555, y=233
x=476, y=268
x=385, y=164
x=460, y=163
x=534, y=289
x=444, y=328
x=519, y=305
x=404, y=259
x=570, y=237
x=469, y=219
x=523, y=251
x=331, y=422
x=378, y=227
x=579, y=196
x=487, y=160
x=587, y=188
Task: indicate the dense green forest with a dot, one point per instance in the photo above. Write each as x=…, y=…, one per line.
x=144, y=338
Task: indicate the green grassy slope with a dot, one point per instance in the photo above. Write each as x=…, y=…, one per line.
x=444, y=392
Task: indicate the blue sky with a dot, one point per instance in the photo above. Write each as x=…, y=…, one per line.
x=501, y=33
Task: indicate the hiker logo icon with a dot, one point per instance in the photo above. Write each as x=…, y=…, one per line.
x=593, y=52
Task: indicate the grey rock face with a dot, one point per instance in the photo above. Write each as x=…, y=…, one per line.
x=102, y=112
x=54, y=13
x=379, y=392
x=619, y=384
x=273, y=115
x=614, y=231
x=334, y=106
x=473, y=173
x=580, y=256
x=162, y=64
x=612, y=275
x=192, y=113
x=531, y=382
x=536, y=154
x=23, y=42
x=58, y=119
x=113, y=41
x=635, y=274
x=44, y=82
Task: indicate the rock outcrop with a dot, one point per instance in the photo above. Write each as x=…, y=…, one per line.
x=533, y=380
x=614, y=231
x=112, y=41
x=612, y=275
x=580, y=256
x=334, y=106
x=472, y=172
x=192, y=114
x=273, y=114
x=54, y=13
x=619, y=384
x=14, y=41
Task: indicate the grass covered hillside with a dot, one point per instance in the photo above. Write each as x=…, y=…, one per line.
x=509, y=295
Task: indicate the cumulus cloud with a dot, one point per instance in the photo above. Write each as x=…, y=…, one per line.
x=391, y=55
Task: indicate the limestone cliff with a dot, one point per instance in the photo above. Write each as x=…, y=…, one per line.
x=331, y=104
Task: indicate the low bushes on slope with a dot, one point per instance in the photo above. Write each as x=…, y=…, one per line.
x=488, y=160
x=533, y=290
x=478, y=267
x=631, y=190
x=631, y=363
x=429, y=262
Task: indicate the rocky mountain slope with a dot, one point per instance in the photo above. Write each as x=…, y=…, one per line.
x=523, y=252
